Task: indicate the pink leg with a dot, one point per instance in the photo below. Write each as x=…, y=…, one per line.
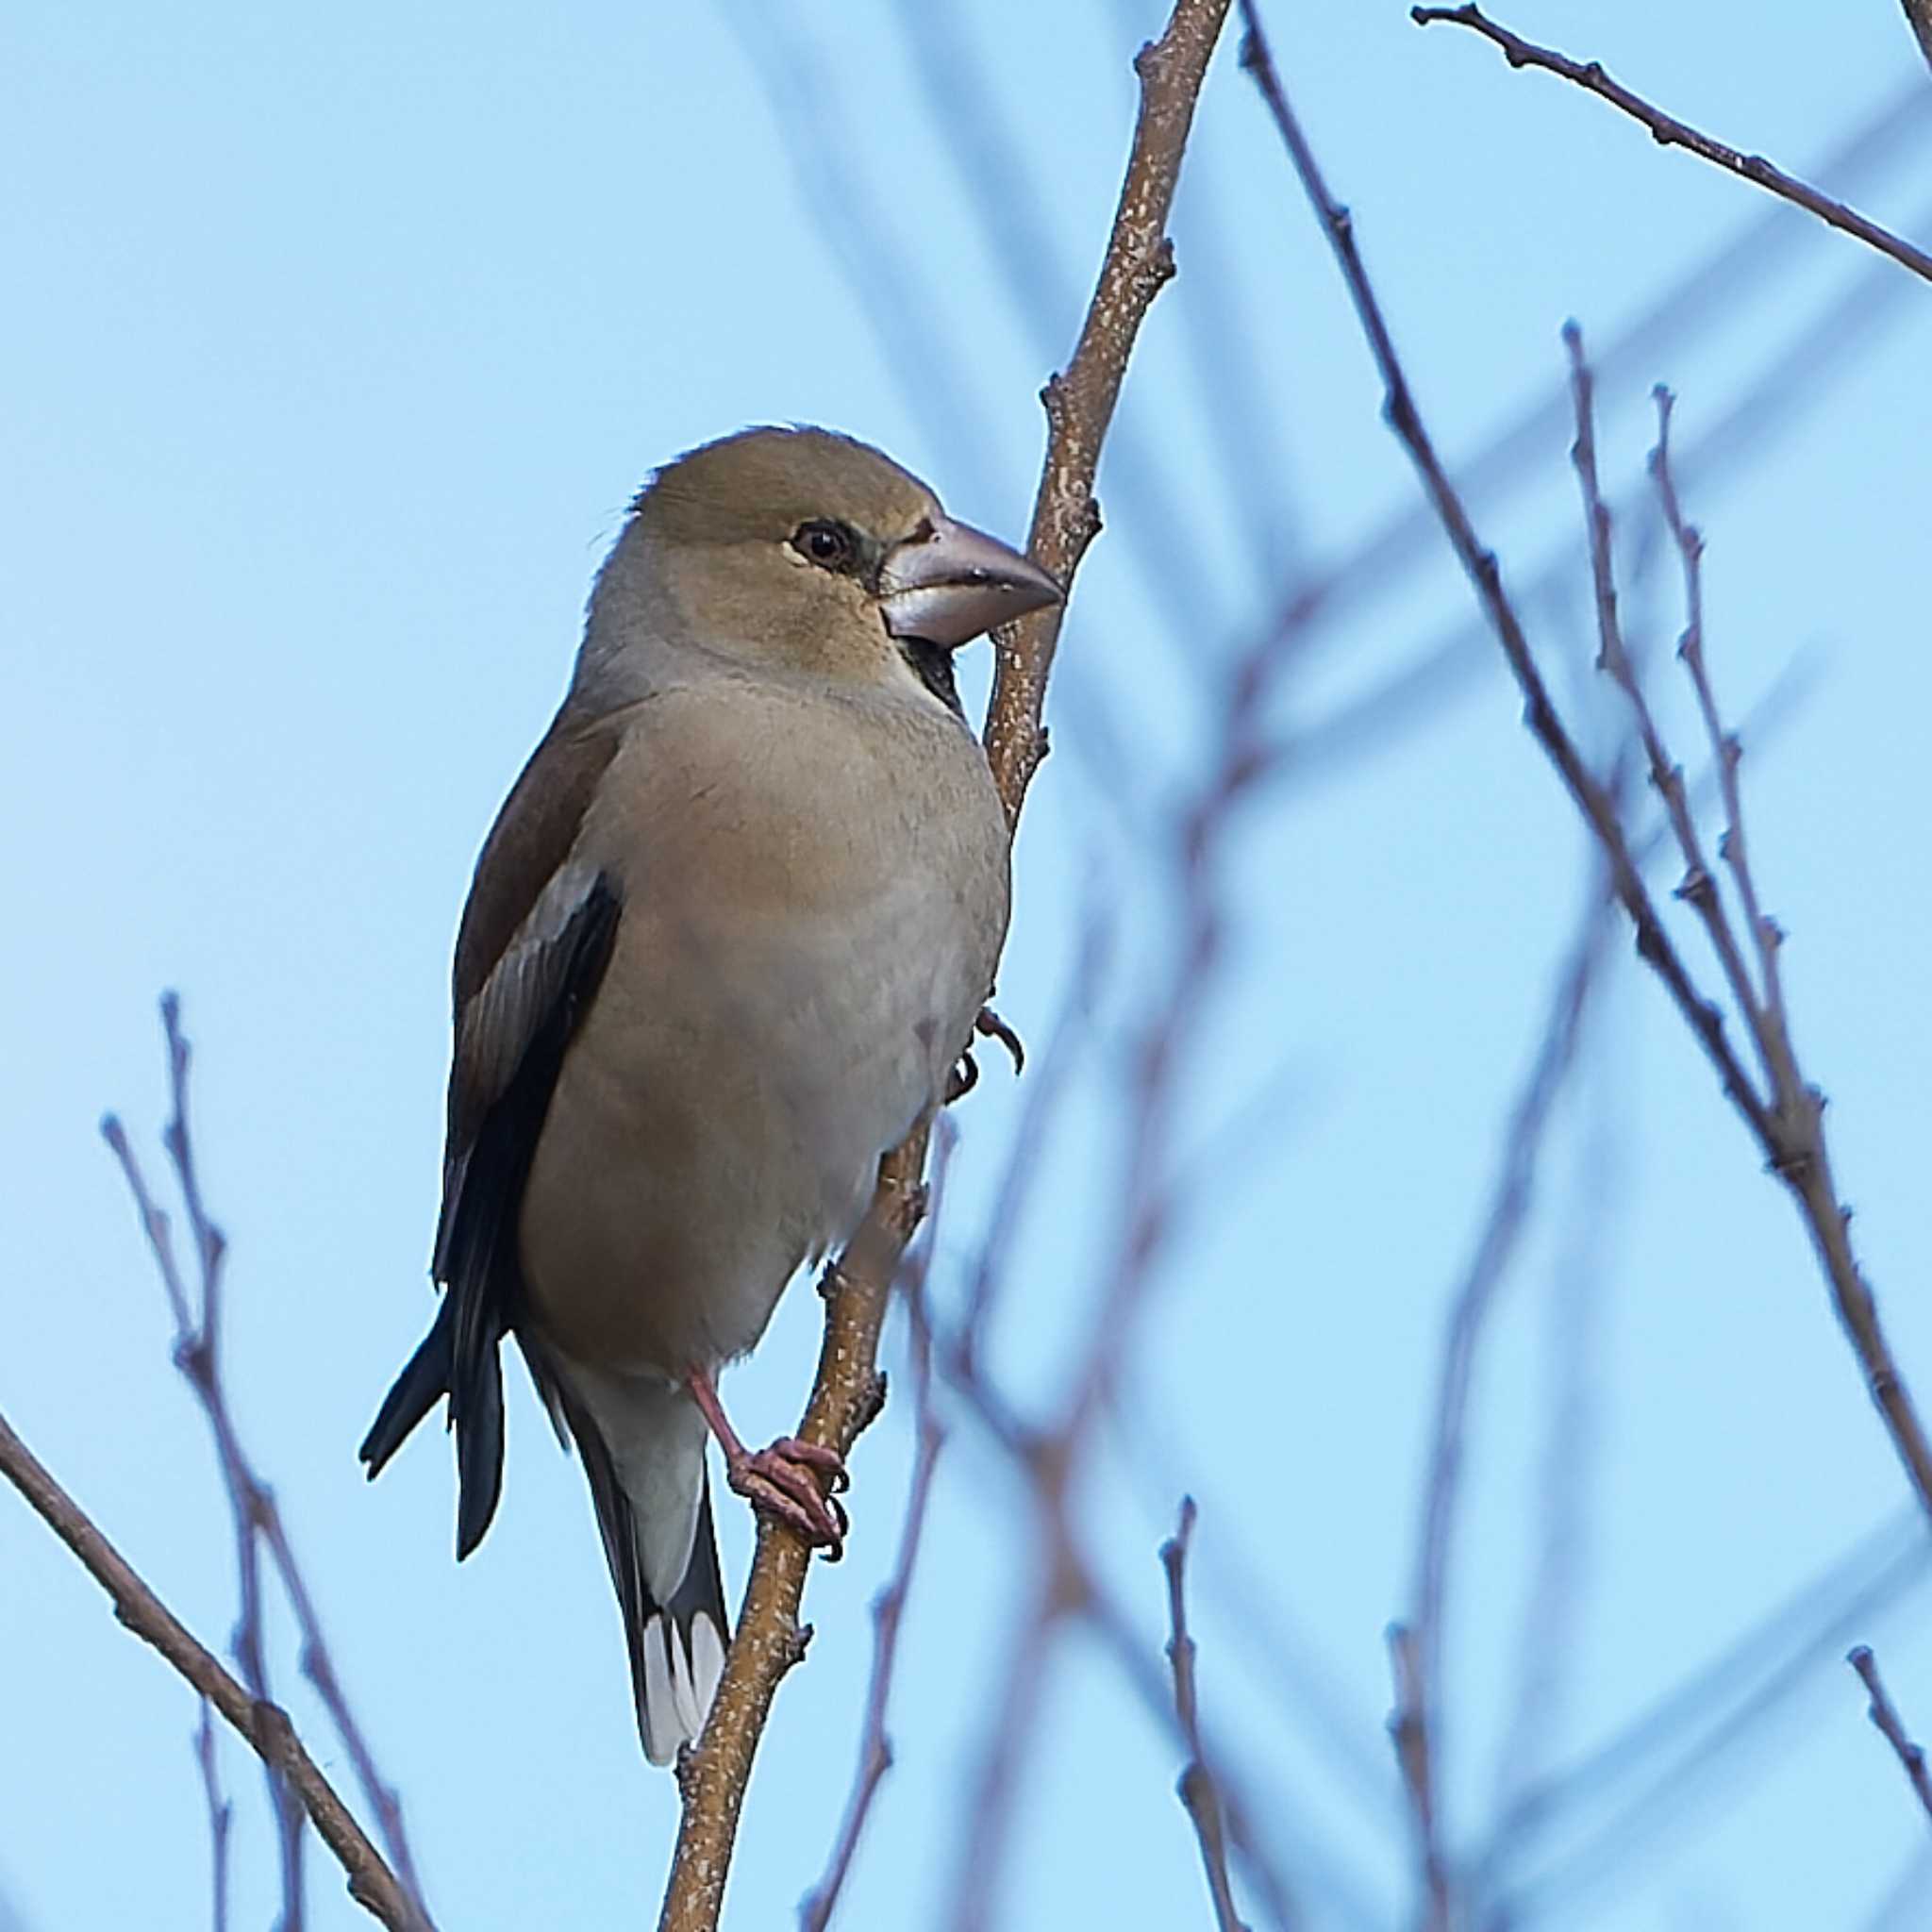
x=789, y=1481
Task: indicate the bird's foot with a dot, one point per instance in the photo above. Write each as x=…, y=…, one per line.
x=965, y=1076
x=783, y=1482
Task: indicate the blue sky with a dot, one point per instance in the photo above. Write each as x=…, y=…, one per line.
x=338, y=343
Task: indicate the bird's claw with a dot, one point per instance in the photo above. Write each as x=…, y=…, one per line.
x=783, y=1482
x=989, y=1025
x=963, y=1078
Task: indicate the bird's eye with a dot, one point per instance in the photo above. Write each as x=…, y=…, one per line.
x=827, y=544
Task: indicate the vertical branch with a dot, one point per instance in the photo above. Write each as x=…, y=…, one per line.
x=846, y=1393
x=1080, y=401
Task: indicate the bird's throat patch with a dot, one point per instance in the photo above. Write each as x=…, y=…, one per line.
x=933, y=666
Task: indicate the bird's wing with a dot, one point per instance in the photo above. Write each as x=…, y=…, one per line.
x=536, y=937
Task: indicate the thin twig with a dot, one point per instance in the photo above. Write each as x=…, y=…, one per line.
x=1791, y=1130
x=1726, y=750
x=1707, y=295
x=197, y=1354
x=1399, y=407
x=1698, y=888
x=1199, y=1795
x=264, y=1725
x=1790, y=1134
x=258, y=1520
x=1079, y=405
x=1417, y=693
x=1667, y=131
x=1884, y=1714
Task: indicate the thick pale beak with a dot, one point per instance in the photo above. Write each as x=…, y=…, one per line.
x=952, y=582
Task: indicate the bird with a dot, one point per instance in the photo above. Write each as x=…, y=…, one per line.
x=725, y=945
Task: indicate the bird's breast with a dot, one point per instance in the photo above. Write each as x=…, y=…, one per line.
x=812, y=907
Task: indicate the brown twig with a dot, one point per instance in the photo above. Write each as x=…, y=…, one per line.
x=264, y=1725
x=1707, y=294
x=1079, y=405
x=1667, y=131
x=1199, y=1795
x=1789, y=1129
x=1080, y=401
x=1884, y=1714
x=258, y=1521
x=1698, y=888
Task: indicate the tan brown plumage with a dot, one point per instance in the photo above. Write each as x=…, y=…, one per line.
x=726, y=939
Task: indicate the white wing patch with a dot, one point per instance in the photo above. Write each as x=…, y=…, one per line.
x=497, y=1024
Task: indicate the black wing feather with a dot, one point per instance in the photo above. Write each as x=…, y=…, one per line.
x=476, y=1246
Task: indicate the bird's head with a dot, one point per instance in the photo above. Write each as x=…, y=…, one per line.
x=802, y=551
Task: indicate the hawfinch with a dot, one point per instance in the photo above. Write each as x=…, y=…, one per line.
x=726, y=943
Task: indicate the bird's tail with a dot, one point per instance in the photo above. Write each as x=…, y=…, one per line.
x=475, y=1396
x=643, y=1451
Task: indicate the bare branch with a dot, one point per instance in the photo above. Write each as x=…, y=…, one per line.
x=1885, y=1715
x=1669, y=132
x=1199, y=1794
x=258, y=1521
x=197, y=1343
x=845, y=1393
x=1698, y=888
x=1789, y=1132
x=1080, y=401
x=264, y=1725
